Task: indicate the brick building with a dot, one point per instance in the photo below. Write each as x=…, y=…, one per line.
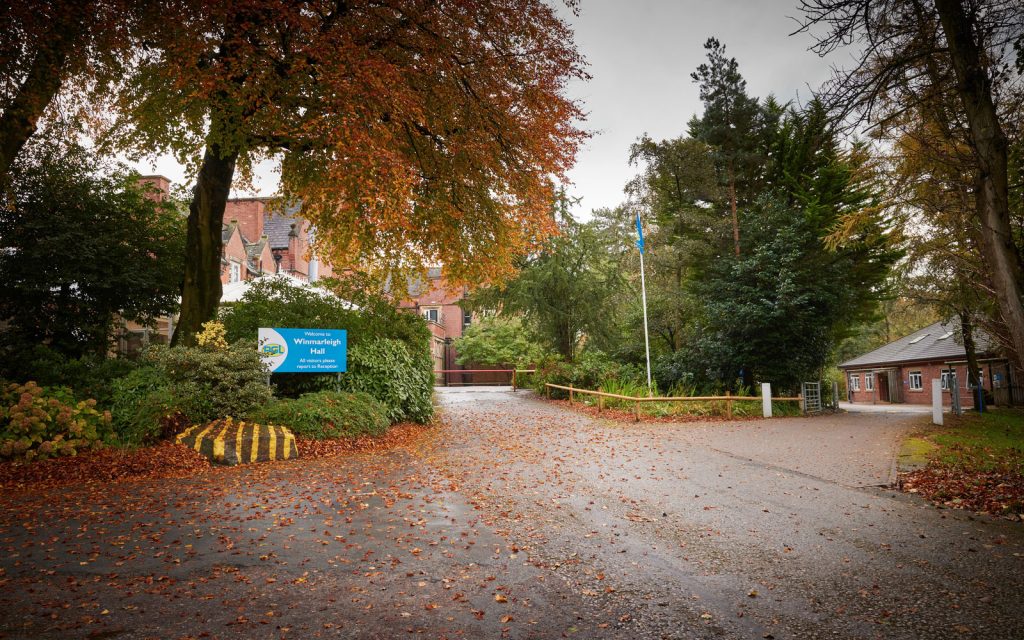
x=904, y=371
x=272, y=241
x=431, y=298
x=257, y=240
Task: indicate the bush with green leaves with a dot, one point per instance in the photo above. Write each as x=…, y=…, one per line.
x=88, y=376
x=497, y=341
x=38, y=422
x=396, y=376
x=590, y=371
x=327, y=414
x=273, y=302
x=210, y=383
x=144, y=401
x=196, y=383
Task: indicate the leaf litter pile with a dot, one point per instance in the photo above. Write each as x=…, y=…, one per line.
x=170, y=460
x=995, y=487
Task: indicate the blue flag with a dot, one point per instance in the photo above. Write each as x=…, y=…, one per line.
x=639, y=234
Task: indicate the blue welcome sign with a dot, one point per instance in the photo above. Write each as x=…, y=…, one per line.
x=304, y=350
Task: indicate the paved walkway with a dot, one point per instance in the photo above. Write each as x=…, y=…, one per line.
x=518, y=519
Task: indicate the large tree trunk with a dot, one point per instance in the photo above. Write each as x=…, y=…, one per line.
x=967, y=333
x=990, y=147
x=201, y=290
x=42, y=82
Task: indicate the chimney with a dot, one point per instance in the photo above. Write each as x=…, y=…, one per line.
x=293, y=248
x=314, y=262
x=156, y=188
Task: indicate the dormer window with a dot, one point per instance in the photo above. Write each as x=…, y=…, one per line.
x=236, y=272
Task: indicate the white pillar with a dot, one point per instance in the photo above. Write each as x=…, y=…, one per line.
x=936, y=402
x=766, y=399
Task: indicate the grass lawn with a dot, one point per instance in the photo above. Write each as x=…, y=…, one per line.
x=982, y=440
x=975, y=461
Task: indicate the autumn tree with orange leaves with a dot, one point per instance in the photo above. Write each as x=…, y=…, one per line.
x=413, y=132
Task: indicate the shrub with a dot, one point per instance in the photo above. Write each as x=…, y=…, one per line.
x=272, y=302
x=209, y=383
x=497, y=342
x=144, y=405
x=195, y=384
x=327, y=414
x=88, y=376
x=37, y=422
x=590, y=371
x=401, y=380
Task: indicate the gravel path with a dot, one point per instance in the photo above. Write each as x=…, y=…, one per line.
x=519, y=519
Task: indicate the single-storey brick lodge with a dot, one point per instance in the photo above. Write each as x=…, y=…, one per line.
x=904, y=371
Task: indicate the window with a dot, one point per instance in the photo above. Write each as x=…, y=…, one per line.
x=916, y=381
x=869, y=381
x=981, y=379
x=948, y=380
x=236, y=272
x=432, y=315
x=467, y=318
x=855, y=381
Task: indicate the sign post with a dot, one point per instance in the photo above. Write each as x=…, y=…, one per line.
x=304, y=350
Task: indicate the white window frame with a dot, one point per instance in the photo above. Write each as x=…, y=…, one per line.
x=235, y=272
x=945, y=377
x=869, y=382
x=919, y=386
x=428, y=311
x=467, y=318
x=981, y=379
x=855, y=381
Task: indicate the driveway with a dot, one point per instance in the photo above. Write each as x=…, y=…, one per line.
x=519, y=519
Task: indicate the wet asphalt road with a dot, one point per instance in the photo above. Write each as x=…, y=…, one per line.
x=518, y=519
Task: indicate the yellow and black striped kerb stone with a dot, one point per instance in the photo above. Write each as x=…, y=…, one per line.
x=236, y=442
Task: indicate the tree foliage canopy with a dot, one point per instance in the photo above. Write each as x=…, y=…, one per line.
x=80, y=245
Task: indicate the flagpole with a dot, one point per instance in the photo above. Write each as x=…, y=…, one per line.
x=647, y=340
x=643, y=295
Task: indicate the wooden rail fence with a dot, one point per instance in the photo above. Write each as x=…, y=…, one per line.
x=601, y=395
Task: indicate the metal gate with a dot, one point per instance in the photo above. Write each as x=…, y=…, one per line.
x=812, y=397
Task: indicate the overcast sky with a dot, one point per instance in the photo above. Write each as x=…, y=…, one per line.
x=641, y=54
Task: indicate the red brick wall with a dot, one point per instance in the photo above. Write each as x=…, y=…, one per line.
x=249, y=213
x=234, y=251
x=929, y=371
x=159, y=187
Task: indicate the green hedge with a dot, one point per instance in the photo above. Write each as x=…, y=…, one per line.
x=400, y=379
x=273, y=303
x=327, y=414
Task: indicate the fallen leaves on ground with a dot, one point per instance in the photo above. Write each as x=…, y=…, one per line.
x=165, y=460
x=998, y=492
x=399, y=435
x=170, y=460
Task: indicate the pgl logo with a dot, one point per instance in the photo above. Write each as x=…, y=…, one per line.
x=273, y=350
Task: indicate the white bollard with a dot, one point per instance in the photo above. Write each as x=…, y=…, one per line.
x=766, y=399
x=936, y=402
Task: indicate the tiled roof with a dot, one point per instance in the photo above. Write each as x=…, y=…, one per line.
x=935, y=342
x=227, y=231
x=278, y=224
x=417, y=286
